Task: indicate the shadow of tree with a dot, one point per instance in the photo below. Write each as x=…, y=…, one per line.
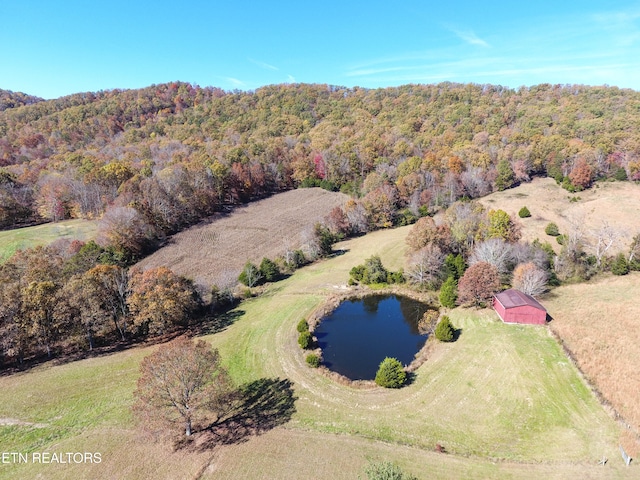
x=205, y=324
x=456, y=334
x=262, y=405
x=214, y=323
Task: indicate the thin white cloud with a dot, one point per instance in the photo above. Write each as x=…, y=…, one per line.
x=291, y=79
x=621, y=26
x=363, y=72
x=264, y=65
x=235, y=82
x=580, y=49
x=469, y=37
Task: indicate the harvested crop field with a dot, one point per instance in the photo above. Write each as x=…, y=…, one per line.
x=617, y=203
x=260, y=229
x=599, y=323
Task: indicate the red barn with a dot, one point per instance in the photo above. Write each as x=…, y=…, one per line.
x=513, y=306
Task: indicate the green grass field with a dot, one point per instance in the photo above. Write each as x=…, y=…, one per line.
x=28, y=237
x=503, y=400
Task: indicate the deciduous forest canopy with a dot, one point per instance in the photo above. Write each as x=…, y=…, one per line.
x=176, y=152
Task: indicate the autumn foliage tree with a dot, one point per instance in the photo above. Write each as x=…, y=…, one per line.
x=581, y=174
x=425, y=232
x=127, y=231
x=160, y=300
x=478, y=284
x=182, y=385
x=502, y=225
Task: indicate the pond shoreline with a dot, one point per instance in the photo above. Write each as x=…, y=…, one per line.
x=333, y=301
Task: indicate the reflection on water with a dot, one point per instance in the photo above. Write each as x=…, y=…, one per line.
x=359, y=334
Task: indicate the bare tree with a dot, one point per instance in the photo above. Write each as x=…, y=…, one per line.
x=465, y=219
x=182, y=383
x=226, y=283
x=425, y=266
x=475, y=183
x=494, y=251
x=357, y=216
x=525, y=252
x=125, y=228
x=575, y=235
x=634, y=249
x=310, y=243
x=604, y=237
x=530, y=279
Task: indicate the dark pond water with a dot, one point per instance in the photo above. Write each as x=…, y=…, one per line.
x=359, y=334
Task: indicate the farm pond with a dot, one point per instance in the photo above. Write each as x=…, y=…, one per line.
x=360, y=333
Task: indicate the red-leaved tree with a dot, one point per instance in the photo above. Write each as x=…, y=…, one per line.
x=478, y=284
x=581, y=174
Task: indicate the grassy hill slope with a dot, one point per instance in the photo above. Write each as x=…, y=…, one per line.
x=617, y=203
x=29, y=237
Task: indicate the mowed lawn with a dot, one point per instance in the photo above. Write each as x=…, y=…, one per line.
x=503, y=400
x=29, y=237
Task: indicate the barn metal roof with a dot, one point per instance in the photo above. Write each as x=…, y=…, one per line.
x=515, y=298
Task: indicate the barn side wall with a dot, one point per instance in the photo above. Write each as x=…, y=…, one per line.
x=525, y=314
x=497, y=306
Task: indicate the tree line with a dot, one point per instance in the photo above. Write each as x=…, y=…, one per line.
x=72, y=296
x=467, y=253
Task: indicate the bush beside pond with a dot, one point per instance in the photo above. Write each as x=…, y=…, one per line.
x=303, y=326
x=391, y=374
x=305, y=340
x=313, y=360
x=444, y=330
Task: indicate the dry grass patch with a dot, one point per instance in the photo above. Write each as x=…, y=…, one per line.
x=618, y=203
x=251, y=232
x=599, y=323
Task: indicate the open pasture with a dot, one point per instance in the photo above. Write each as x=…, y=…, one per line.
x=599, y=323
x=29, y=237
x=617, y=203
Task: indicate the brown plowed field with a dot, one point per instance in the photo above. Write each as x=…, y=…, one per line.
x=260, y=229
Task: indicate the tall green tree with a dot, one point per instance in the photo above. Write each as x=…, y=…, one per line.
x=449, y=292
x=506, y=177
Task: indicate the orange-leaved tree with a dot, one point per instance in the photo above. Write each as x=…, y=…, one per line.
x=160, y=300
x=183, y=384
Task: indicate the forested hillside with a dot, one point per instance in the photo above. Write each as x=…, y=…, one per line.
x=165, y=156
x=9, y=99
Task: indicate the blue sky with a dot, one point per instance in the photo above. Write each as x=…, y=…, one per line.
x=54, y=48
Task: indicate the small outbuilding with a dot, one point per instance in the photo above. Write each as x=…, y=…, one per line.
x=513, y=306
